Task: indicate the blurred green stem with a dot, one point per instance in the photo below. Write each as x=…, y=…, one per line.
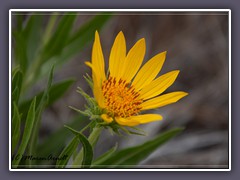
x=49, y=28
x=93, y=137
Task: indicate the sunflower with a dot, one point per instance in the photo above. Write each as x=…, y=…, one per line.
x=126, y=90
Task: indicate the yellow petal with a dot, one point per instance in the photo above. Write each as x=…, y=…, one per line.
x=126, y=122
x=106, y=118
x=159, y=85
x=134, y=60
x=145, y=118
x=117, y=55
x=163, y=100
x=149, y=71
x=95, y=74
x=97, y=90
x=97, y=58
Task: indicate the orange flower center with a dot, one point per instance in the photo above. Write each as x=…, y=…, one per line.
x=121, y=99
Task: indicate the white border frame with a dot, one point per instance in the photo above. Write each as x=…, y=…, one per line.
x=119, y=10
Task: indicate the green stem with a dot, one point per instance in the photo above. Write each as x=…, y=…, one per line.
x=93, y=137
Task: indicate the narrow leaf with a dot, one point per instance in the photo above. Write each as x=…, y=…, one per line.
x=15, y=95
x=132, y=156
x=69, y=44
x=32, y=33
x=56, y=91
x=79, y=39
x=20, y=51
x=93, y=138
x=44, y=100
x=16, y=120
x=96, y=23
x=16, y=85
x=27, y=132
x=17, y=79
x=67, y=153
x=58, y=40
x=105, y=156
x=87, y=148
x=57, y=140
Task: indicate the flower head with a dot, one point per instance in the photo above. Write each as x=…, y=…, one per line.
x=127, y=89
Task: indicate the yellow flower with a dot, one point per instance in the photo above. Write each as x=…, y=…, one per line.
x=126, y=91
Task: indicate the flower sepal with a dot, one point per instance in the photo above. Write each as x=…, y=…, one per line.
x=120, y=130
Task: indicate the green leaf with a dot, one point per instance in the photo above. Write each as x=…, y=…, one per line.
x=67, y=153
x=56, y=91
x=27, y=40
x=32, y=33
x=14, y=70
x=49, y=27
x=17, y=79
x=15, y=95
x=20, y=51
x=93, y=138
x=16, y=121
x=89, y=28
x=79, y=39
x=57, y=140
x=69, y=44
x=87, y=148
x=132, y=156
x=16, y=85
x=27, y=132
x=105, y=156
x=43, y=102
x=57, y=42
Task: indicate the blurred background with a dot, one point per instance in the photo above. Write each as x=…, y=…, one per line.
x=196, y=44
